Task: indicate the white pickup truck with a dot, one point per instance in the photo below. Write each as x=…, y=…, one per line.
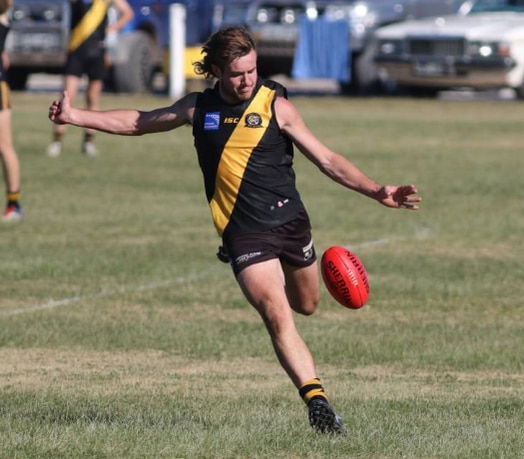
x=481, y=49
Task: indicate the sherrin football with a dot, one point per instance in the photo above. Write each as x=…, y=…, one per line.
x=345, y=277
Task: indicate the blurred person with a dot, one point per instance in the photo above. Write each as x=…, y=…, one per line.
x=87, y=56
x=8, y=156
x=245, y=130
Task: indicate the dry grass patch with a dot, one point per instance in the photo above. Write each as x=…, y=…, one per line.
x=111, y=373
x=385, y=382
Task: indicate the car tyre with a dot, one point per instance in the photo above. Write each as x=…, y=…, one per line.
x=519, y=91
x=364, y=74
x=133, y=71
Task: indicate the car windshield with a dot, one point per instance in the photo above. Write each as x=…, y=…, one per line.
x=480, y=6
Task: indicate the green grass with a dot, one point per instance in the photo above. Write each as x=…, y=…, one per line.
x=122, y=336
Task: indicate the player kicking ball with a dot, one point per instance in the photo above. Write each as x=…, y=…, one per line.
x=245, y=131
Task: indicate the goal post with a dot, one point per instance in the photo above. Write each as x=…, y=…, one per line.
x=177, y=46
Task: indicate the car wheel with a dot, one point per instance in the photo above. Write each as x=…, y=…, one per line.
x=519, y=91
x=364, y=74
x=133, y=71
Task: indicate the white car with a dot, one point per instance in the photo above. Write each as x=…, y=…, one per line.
x=480, y=48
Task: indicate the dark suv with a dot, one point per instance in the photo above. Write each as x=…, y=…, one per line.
x=275, y=26
x=38, y=38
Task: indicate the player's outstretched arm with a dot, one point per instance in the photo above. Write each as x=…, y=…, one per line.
x=124, y=121
x=338, y=167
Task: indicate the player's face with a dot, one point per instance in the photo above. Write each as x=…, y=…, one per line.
x=238, y=79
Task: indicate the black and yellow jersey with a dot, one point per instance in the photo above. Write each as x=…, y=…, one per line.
x=4, y=30
x=88, y=26
x=246, y=160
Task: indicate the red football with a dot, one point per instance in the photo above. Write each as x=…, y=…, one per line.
x=345, y=277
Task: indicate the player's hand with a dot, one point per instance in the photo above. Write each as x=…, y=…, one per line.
x=59, y=109
x=399, y=197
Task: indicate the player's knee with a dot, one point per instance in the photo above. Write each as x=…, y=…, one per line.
x=307, y=307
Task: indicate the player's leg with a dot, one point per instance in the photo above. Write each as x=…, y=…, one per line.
x=264, y=286
x=71, y=84
x=10, y=162
x=93, y=93
x=302, y=287
x=96, y=72
x=297, y=254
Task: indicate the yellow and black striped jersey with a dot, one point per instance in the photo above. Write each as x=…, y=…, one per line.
x=4, y=30
x=246, y=161
x=88, y=26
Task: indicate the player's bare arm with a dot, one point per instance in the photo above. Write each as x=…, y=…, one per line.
x=336, y=166
x=126, y=13
x=125, y=121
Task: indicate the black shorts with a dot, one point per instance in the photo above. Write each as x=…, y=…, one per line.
x=292, y=243
x=94, y=67
x=5, y=96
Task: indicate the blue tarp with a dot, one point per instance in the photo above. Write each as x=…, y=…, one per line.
x=322, y=50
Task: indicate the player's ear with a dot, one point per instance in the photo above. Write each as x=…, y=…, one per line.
x=217, y=72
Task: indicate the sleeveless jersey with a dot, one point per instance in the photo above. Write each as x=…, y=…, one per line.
x=246, y=161
x=88, y=26
x=4, y=30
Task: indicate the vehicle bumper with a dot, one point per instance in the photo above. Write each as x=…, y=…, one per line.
x=447, y=72
x=39, y=48
x=40, y=60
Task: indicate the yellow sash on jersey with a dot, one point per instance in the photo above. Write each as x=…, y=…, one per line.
x=88, y=24
x=235, y=157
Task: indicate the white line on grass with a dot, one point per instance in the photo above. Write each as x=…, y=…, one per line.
x=75, y=299
x=421, y=234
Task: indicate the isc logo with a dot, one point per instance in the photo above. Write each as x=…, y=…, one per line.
x=231, y=120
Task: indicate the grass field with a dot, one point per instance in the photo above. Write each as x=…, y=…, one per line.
x=121, y=336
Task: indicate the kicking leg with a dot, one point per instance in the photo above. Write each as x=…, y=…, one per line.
x=264, y=285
